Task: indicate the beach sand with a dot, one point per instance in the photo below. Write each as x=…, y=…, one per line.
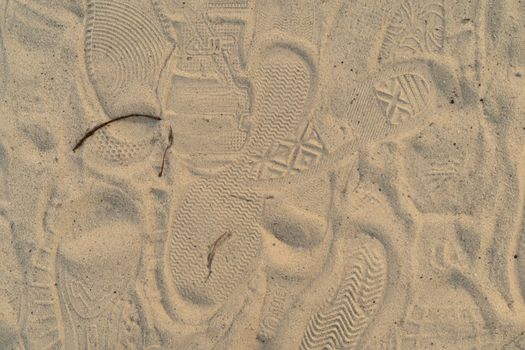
x=262, y=174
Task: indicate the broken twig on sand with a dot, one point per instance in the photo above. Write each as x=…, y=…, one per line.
x=100, y=126
x=213, y=248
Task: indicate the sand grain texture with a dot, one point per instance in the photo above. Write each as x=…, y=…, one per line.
x=262, y=174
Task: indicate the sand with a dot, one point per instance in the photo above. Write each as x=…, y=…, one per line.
x=262, y=174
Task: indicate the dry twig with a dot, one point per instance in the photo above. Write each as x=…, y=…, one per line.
x=100, y=126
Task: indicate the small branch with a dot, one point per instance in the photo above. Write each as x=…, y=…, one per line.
x=241, y=198
x=213, y=248
x=170, y=143
x=100, y=126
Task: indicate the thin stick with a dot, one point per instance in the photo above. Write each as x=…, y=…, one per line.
x=170, y=143
x=100, y=126
x=213, y=248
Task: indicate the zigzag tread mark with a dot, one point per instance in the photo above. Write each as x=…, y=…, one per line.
x=342, y=321
x=284, y=88
x=242, y=214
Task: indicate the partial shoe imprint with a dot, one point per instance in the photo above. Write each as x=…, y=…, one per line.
x=92, y=131
x=283, y=85
x=203, y=89
x=416, y=27
x=344, y=318
x=292, y=155
x=80, y=274
x=125, y=51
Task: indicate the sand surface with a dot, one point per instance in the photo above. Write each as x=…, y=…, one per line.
x=262, y=174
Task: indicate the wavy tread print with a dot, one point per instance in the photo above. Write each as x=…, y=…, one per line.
x=195, y=229
x=284, y=86
x=344, y=318
x=282, y=102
